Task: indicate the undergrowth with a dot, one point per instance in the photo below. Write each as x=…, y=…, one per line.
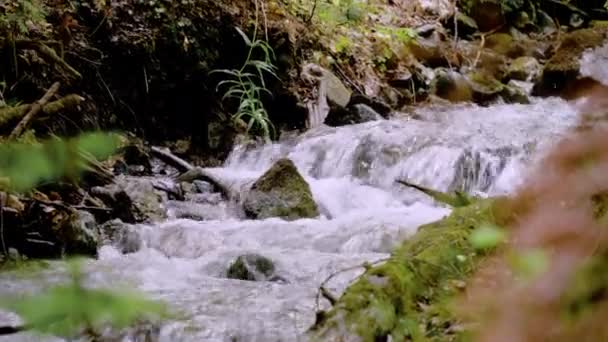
x=247, y=84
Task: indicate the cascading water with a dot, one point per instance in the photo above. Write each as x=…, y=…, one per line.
x=352, y=172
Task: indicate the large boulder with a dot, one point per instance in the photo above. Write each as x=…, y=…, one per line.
x=280, y=192
x=563, y=68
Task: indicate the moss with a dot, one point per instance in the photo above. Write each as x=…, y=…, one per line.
x=504, y=44
x=407, y=297
x=281, y=192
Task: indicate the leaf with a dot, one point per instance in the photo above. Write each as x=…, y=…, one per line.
x=244, y=36
x=487, y=236
x=530, y=263
x=67, y=310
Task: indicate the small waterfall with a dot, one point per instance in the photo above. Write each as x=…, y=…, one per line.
x=352, y=172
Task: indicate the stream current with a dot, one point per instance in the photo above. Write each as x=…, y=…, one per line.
x=352, y=172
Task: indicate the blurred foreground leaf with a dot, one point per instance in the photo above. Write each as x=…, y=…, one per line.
x=26, y=165
x=69, y=309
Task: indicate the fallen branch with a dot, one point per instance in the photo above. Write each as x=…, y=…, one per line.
x=9, y=114
x=199, y=173
x=456, y=199
x=36, y=107
x=50, y=54
x=169, y=158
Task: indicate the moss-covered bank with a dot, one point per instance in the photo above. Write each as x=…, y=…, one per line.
x=407, y=297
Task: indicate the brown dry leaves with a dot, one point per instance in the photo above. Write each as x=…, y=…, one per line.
x=561, y=212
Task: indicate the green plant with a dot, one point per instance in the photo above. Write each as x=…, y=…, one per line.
x=71, y=309
x=16, y=14
x=247, y=83
x=24, y=165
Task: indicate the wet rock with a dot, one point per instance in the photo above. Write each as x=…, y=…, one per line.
x=451, y=86
x=488, y=14
x=488, y=61
x=376, y=104
x=504, y=44
x=485, y=87
x=353, y=114
x=514, y=94
x=524, y=69
x=132, y=199
x=441, y=8
x=337, y=92
x=280, y=192
x=526, y=87
x=124, y=237
x=433, y=52
x=252, y=267
x=563, y=67
x=81, y=237
x=203, y=187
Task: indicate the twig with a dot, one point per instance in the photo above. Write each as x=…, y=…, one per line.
x=171, y=159
x=312, y=12
x=36, y=107
x=481, y=46
x=49, y=53
x=323, y=291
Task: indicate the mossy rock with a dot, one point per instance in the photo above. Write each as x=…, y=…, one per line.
x=505, y=44
x=280, y=192
x=485, y=87
x=252, y=267
x=407, y=297
x=524, y=69
x=564, y=66
x=451, y=86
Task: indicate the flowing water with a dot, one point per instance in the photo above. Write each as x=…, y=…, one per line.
x=352, y=172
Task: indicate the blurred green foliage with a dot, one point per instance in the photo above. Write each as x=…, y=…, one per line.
x=23, y=166
x=72, y=309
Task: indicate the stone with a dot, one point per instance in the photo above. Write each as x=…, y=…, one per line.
x=203, y=187
x=514, y=94
x=353, y=114
x=120, y=235
x=504, y=44
x=488, y=14
x=80, y=236
x=524, y=69
x=451, y=86
x=133, y=199
x=433, y=52
x=280, y=192
x=252, y=267
x=563, y=67
x=337, y=92
x=485, y=87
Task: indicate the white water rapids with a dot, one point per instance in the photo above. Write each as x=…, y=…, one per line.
x=352, y=172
